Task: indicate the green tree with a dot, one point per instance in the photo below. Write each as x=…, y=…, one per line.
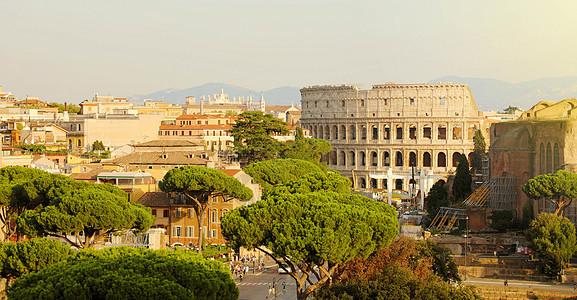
x=479, y=150
x=406, y=269
x=313, y=232
x=462, y=184
x=308, y=149
x=71, y=108
x=90, y=213
x=129, y=273
x=559, y=188
x=510, y=110
x=277, y=171
x=98, y=146
x=436, y=198
x=553, y=238
x=253, y=139
x=502, y=220
x=200, y=185
x=17, y=259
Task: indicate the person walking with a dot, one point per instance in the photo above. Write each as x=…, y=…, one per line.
x=506, y=283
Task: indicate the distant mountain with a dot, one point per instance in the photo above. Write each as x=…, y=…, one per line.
x=492, y=94
x=278, y=96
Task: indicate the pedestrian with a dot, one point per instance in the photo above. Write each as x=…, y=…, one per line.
x=506, y=283
x=240, y=277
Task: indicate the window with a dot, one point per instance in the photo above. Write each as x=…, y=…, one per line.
x=399, y=159
x=427, y=132
x=362, y=102
x=214, y=216
x=214, y=233
x=190, y=213
x=189, y=231
x=442, y=101
x=165, y=213
x=178, y=213
x=442, y=133
x=177, y=231
x=399, y=132
x=343, y=103
x=542, y=159
x=153, y=212
x=412, y=101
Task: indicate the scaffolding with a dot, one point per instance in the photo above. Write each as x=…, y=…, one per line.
x=498, y=193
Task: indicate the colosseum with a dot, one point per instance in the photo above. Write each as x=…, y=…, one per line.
x=379, y=135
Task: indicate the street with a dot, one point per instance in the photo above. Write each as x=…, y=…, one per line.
x=567, y=287
x=256, y=286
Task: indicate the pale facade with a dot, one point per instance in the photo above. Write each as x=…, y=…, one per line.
x=392, y=127
x=104, y=105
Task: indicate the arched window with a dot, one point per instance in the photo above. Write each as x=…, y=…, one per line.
x=399, y=184
x=399, y=159
x=442, y=160
x=456, y=158
x=426, y=159
x=374, y=159
x=343, y=159
x=556, y=156
x=318, y=133
x=352, y=158
x=542, y=159
x=343, y=132
x=335, y=132
x=375, y=132
x=386, y=132
x=353, y=132
x=333, y=157
x=549, y=159
x=363, y=158
x=327, y=133
x=413, y=132
x=412, y=159
x=442, y=133
x=399, y=132
x=427, y=132
x=363, y=183
x=373, y=183
x=386, y=159
x=363, y=132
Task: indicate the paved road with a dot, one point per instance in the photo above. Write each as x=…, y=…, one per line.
x=522, y=284
x=256, y=286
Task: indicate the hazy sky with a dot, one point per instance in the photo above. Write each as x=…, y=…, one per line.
x=65, y=50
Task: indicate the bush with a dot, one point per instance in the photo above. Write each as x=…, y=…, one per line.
x=502, y=220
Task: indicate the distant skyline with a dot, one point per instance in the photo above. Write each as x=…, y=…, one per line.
x=66, y=50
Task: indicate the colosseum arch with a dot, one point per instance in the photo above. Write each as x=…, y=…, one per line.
x=315, y=132
x=386, y=159
x=399, y=159
x=442, y=132
x=343, y=132
x=399, y=132
x=343, y=159
x=457, y=132
x=353, y=132
x=386, y=132
x=374, y=159
x=456, y=158
x=442, y=160
x=373, y=183
x=412, y=159
x=333, y=158
x=335, y=132
x=363, y=158
x=327, y=135
x=375, y=132
x=426, y=159
x=363, y=183
x=363, y=132
x=399, y=184
x=412, y=132
x=427, y=131
x=352, y=158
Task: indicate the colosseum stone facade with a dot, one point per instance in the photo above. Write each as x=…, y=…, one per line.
x=392, y=126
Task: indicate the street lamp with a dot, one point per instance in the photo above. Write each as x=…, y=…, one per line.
x=466, y=243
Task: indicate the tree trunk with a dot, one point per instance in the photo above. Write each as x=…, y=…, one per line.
x=200, y=216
